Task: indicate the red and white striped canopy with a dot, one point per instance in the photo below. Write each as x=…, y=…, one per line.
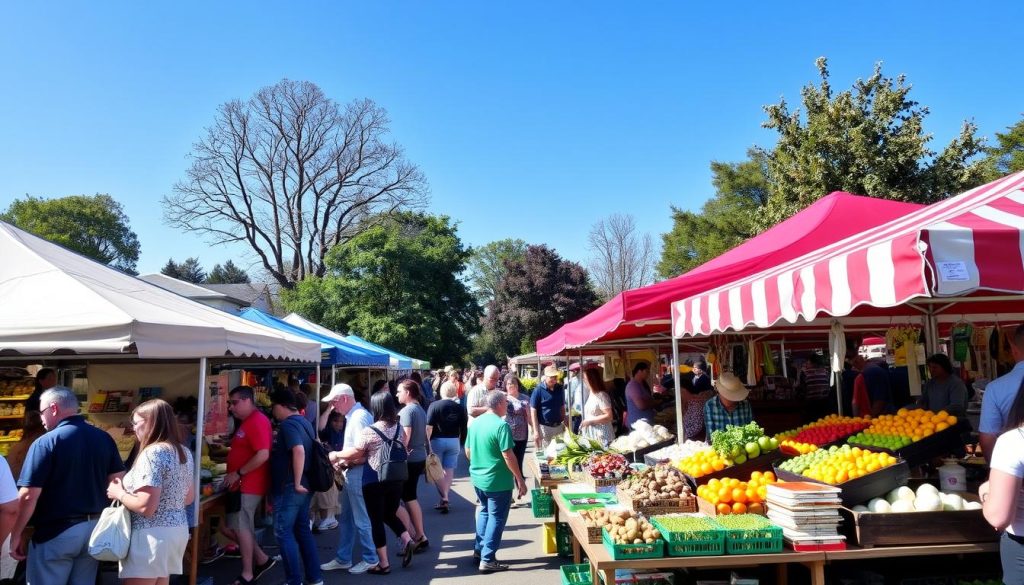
x=967, y=243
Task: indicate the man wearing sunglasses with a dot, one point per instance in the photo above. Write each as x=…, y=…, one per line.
x=249, y=476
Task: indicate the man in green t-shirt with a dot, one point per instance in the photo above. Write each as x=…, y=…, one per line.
x=494, y=472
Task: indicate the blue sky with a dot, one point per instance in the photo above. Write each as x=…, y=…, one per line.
x=529, y=119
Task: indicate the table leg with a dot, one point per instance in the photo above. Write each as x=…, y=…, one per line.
x=609, y=577
x=194, y=561
x=817, y=570
x=782, y=573
x=577, y=551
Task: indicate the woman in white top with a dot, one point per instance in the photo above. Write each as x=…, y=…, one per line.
x=1002, y=500
x=597, y=412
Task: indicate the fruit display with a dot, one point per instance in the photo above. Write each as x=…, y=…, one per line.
x=791, y=447
x=732, y=496
x=12, y=436
x=675, y=451
x=905, y=427
x=826, y=430
x=660, y=482
x=702, y=463
x=739, y=443
x=607, y=466
x=927, y=498
x=570, y=449
x=838, y=464
x=18, y=387
x=622, y=526
x=642, y=436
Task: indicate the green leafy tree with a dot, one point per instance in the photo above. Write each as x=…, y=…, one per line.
x=724, y=221
x=190, y=270
x=1008, y=155
x=95, y=226
x=229, y=273
x=868, y=140
x=535, y=296
x=487, y=266
x=397, y=284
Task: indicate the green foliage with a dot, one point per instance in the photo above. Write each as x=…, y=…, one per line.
x=487, y=266
x=528, y=384
x=190, y=270
x=1008, y=156
x=94, y=226
x=725, y=220
x=868, y=140
x=397, y=284
x=229, y=273
x=537, y=295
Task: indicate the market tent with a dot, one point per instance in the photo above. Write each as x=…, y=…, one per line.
x=397, y=361
x=56, y=302
x=335, y=351
x=642, y=311
x=954, y=250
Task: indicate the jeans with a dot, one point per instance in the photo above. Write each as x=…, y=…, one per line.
x=1011, y=555
x=490, y=522
x=63, y=559
x=291, y=527
x=355, y=521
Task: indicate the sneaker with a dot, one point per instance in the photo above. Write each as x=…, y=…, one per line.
x=261, y=569
x=492, y=567
x=328, y=524
x=360, y=568
x=335, y=565
x=212, y=554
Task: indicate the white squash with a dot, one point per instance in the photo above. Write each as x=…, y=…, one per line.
x=927, y=503
x=879, y=506
x=903, y=506
x=901, y=493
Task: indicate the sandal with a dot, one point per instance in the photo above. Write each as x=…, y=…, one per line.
x=441, y=504
x=379, y=570
x=407, y=553
x=421, y=544
x=240, y=580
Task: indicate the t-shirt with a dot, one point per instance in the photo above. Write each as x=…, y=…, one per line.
x=292, y=432
x=998, y=398
x=815, y=383
x=447, y=417
x=550, y=405
x=486, y=440
x=159, y=466
x=633, y=411
x=356, y=420
x=476, y=398
x=949, y=395
x=412, y=416
x=717, y=417
x=1008, y=457
x=8, y=489
x=252, y=435
x=876, y=379
x=517, y=417
x=71, y=464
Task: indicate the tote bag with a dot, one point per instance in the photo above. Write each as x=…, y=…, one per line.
x=112, y=535
x=433, y=471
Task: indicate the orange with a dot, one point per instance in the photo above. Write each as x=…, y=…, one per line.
x=739, y=508
x=725, y=495
x=723, y=509
x=739, y=496
x=768, y=475
x=718, y=465
x=755, y=508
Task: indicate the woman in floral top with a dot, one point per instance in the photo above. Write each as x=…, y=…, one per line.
x=517, y=417
x=597, y=412
x=155, y=491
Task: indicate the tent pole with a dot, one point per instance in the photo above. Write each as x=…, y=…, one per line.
x=678, y=390
x=583, y=386
x=200, y=426
x=334, y=374
x=782, y=356
x=319, y=382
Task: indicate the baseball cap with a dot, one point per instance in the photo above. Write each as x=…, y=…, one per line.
x=337, y=391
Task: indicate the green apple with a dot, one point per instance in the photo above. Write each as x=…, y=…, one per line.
x=752, y=449
x=741, y=458
x=765, y=443
x=774, y=443
x=736, y=451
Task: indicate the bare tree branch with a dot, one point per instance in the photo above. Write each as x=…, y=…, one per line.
x=623, y=258
x=292, y=173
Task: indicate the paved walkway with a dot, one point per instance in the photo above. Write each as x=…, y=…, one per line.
x=450, y=555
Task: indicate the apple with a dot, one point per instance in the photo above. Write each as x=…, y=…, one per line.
x=774, y=443
x=741, y=458
x=765, y=443
x=752, y=449
x=736, y=451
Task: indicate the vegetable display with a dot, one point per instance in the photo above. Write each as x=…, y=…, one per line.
x=607, y=466
x=577, y=449
x=643, y=435
x=927, y=498
x=751, y=525
x=660, y=482
x=738, y=443
x=689, y=527
x=622, y=526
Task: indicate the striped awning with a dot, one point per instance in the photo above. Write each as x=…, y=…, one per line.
x=971, y=242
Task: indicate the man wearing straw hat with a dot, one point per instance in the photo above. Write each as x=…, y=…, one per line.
x=729, y=407
x=547, y=409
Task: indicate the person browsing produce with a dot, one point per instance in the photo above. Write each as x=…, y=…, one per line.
x=730, y=407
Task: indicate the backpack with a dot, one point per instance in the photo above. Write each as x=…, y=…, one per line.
x=394, y=458
x=320, y=472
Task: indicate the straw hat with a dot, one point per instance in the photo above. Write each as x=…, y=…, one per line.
x=550, y=371
x=731, y=388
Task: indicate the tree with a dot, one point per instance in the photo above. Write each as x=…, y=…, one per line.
x=487, y=266
x=724, y=221
x=190, y=270
x=623, y=258
x=1008, y=156
x=397, y=284
x=94, y=226
x=537, y=295
x=227, y=274
x=869, y=140
x=291, y=173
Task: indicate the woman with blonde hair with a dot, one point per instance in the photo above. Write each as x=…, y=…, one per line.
x=155, y=491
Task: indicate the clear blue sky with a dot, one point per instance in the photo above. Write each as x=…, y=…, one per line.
x=530, y=119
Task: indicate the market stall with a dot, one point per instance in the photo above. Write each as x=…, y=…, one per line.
x=397, y=361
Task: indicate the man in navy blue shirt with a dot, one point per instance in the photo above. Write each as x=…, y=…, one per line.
x=63, y=490
x=547, y=408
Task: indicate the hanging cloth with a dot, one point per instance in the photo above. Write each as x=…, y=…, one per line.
x=751, y=363
x=767, y=359
x=960, y=336
x=837, y=351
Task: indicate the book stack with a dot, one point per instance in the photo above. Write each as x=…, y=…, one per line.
x=808, y=514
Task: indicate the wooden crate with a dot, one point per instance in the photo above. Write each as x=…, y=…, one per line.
x=666, y=506
x=917, y=528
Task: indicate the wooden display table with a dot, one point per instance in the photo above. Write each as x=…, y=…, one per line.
x=534, y=471
x=209, y=506
x=889, y=552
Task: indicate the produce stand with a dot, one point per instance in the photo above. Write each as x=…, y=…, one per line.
x=533, y=467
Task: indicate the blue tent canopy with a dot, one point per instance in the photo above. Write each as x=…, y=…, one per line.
x=334, y=351
x=399, y=361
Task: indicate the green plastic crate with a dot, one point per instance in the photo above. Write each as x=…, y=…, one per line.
x=619, y=552
x=563, y=539
x=763, y=538
x=576, y=574
x=542, y=504
x=707, y=543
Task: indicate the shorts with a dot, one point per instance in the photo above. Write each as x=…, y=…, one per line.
x=447, y=449
x=155, y=552
x=1011, y=555
x=409, y=485
x=245, y=518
